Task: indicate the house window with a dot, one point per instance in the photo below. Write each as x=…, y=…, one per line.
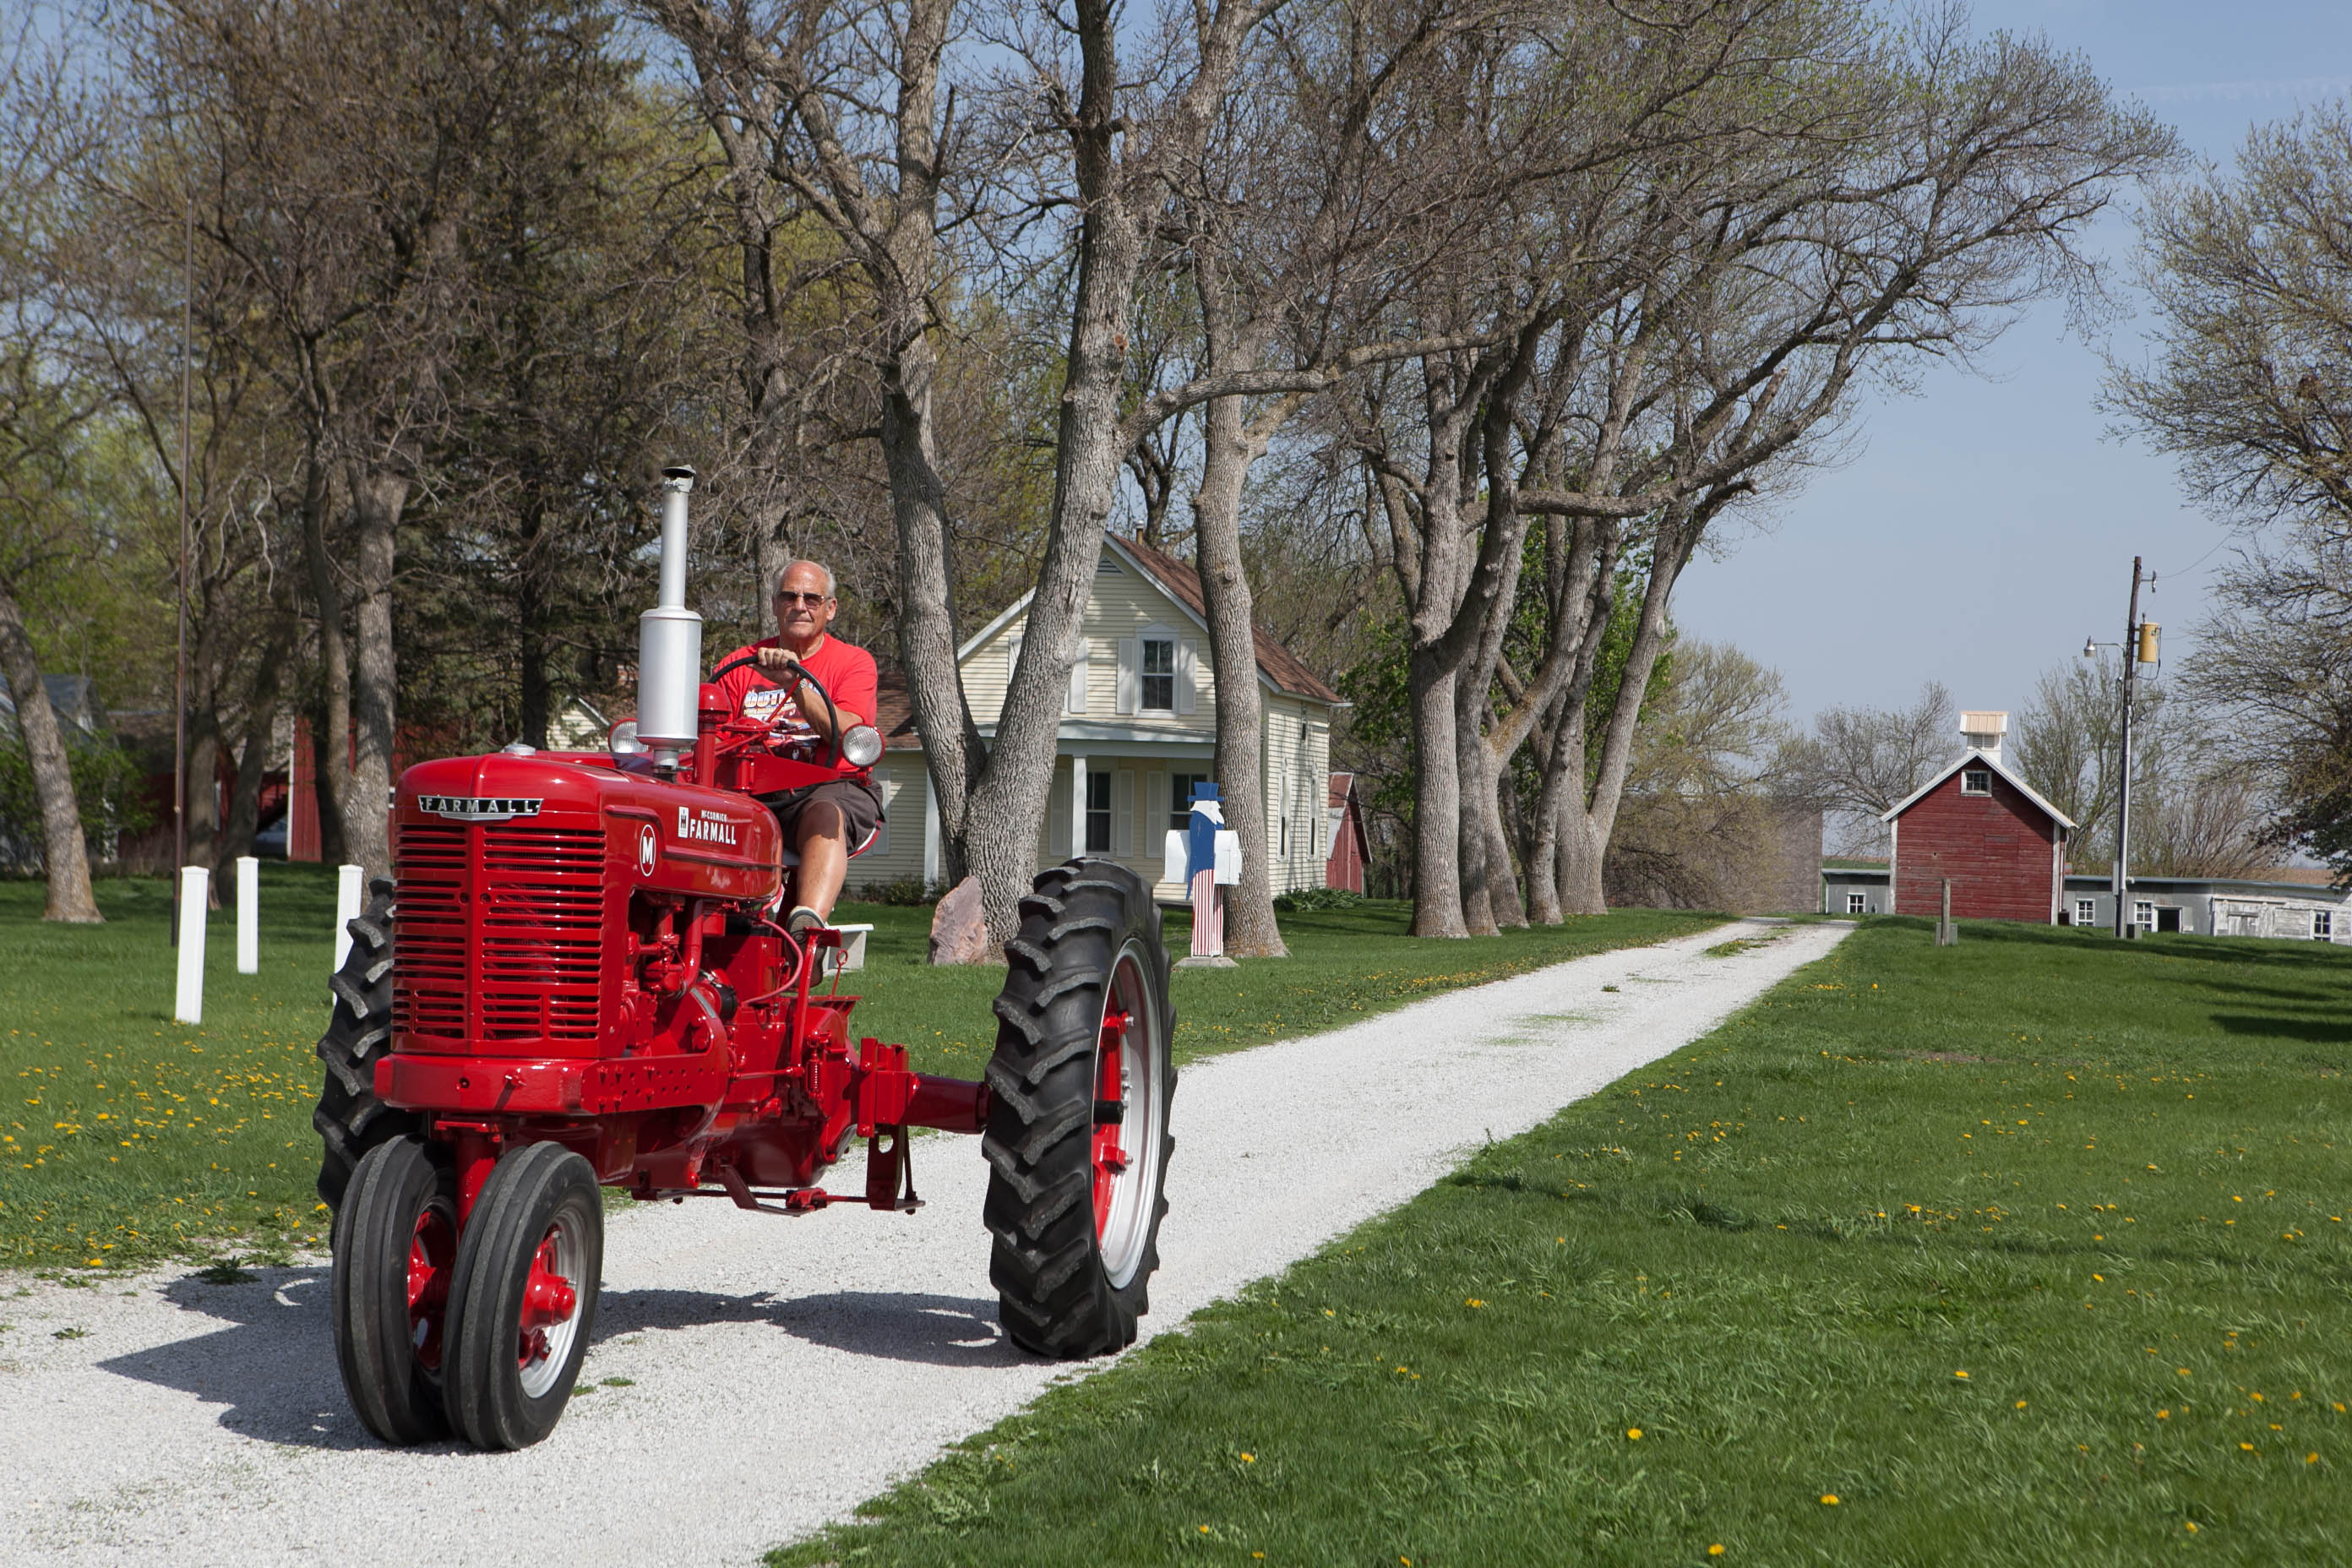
x=1098, y=814
x=1179, y=802
x=1858, y=904
x=2085, y=912
x=2144, y=915
x=1160, y=675
x=2323, y=925
x=1976, y=781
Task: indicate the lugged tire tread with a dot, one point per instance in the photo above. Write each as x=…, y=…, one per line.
x=350, y=1119
x=479, y=1343
x=1057, y=1298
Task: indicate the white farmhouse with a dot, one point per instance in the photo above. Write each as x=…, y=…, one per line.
x=1138, y=728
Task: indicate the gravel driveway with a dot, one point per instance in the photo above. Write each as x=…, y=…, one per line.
x=780, y=1369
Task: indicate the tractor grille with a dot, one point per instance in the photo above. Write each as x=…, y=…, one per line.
x=499, y=931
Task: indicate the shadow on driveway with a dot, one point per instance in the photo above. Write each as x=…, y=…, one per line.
x=271, y=1362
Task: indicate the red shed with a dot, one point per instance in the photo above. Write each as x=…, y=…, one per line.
x=1344, y=866
x=2002, y=846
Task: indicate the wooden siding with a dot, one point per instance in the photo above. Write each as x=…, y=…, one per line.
x=1120, y=606
x=1152, y=747
x=2000, y=850
x=1296, y=751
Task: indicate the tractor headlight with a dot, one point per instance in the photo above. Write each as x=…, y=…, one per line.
x=861, y=746
x=625, y=740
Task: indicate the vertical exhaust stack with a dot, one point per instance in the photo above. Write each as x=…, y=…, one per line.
x=670, y=640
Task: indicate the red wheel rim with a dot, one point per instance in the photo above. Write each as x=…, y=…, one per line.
x=431, y=1252
x=549, y=1304
x=1110, y=1156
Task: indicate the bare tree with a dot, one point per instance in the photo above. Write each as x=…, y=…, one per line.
x=1859, y=762
x=2250, y=277
x=47, y=126
x=338, y=149
x=1705, y=823
x=2250, y=389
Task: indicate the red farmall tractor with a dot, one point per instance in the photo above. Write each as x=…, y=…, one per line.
x=583, y=981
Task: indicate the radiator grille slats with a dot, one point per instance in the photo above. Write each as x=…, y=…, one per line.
x=498, y=934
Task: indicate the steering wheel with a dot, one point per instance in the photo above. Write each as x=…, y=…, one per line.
x=833, y=711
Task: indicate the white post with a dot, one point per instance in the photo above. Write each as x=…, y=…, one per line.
x=347, y=910
x=194, y=885
x=1078, y=806
x=248, y=915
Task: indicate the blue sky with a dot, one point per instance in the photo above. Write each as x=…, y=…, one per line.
x=1986, y=524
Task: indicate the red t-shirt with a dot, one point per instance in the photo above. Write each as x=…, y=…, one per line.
x=844, y=671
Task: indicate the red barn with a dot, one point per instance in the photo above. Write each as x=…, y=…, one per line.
x=1351, y=848
x=2002, y=847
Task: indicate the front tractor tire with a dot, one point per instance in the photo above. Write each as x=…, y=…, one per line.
x=523, y=1304
x=1077, y=1140
x=350, y=1119
x=394, y=1253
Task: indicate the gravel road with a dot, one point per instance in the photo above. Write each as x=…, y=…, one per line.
x=780, y=1369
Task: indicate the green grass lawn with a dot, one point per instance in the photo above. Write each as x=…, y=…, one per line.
x=125, y=1136
x=2027, y=1251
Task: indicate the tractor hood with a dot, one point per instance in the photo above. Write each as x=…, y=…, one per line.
x=504, y=811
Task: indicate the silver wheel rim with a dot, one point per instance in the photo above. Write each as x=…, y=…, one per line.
x=1127, y=1229
x=543, y=1364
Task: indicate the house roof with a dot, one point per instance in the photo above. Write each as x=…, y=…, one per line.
x=1281, y=667
x=2287, y=880
x=1342, y=786
x=1277, y=665
x=1986, y=759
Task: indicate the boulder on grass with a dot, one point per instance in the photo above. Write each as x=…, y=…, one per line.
x=959, y=927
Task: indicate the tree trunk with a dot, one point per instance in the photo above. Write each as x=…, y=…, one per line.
x=1543, y=854
x=1591, y=816
x=1436, y=804
x=1471, y=785
x=952, y=751
x=1251, y=928
x=253, y=757
x=65, y=856
x=331, y=732
x=379, y=492
x=204, y=816
x=1502, y=879
x=331, y=849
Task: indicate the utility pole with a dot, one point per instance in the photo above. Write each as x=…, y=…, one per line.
x=2138, y=643
x=180, y=662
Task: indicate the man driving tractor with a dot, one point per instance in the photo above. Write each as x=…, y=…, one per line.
x=822, y=822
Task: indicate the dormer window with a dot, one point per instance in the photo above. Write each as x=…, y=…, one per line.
x=1158, y=675
x=1976, y=781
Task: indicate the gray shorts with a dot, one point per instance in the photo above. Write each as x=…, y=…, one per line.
x=860, y=802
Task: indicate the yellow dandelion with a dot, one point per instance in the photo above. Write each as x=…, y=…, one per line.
x=1829, y=1499
x=1249, y=1458
x=1962, y=1372
x=1634, y=1433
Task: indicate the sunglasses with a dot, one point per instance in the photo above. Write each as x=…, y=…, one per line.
x=786, y=597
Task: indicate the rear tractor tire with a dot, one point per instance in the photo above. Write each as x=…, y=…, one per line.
x=1080, y=1087
x=350, y=1119
x=394, y=1253
x=523, y=1304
